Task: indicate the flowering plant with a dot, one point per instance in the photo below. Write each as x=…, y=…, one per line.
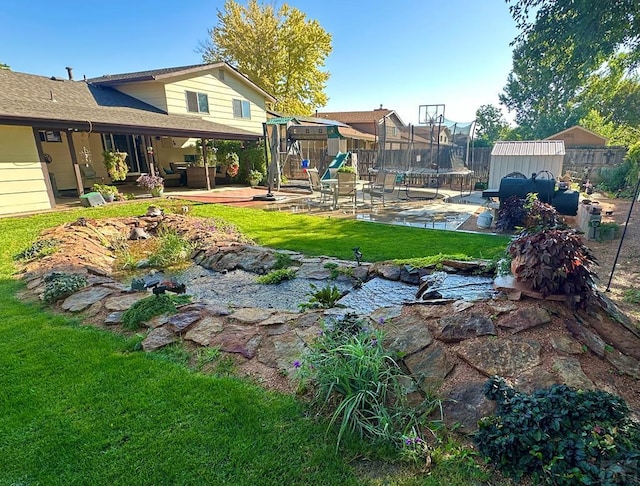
x=149, y=182
x=233, y=164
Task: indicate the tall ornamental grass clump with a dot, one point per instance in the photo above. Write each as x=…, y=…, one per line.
x=356, y=382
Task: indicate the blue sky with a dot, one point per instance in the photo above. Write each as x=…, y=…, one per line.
x=400, y=54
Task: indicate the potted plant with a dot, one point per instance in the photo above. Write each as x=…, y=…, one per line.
x=554, y=261
x=233, y=164
x=255, y=177
x=108, y=192
x=349, y=169
x=153, y=184
x=116, y=165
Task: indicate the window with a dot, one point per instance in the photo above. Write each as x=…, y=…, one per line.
x=241, y=109
x=197, y=102
x=49, y=136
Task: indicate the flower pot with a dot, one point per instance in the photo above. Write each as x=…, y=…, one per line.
x=157, y=191
x=108, y=197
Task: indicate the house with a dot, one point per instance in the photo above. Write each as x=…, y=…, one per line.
x=53, y=131
x=525, y=157
x=587, y=152
x=578, y=137
x=385, y=125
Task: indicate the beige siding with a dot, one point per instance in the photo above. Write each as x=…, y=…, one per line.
x=61, y=167
x=220, y=94
x=22, y=186
x=151, y=93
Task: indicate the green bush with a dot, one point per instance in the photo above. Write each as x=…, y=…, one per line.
x=276, y=276
x=39, y=249
x=60, y=285
x=357, y=382
x=560, y=435
x=145, y=309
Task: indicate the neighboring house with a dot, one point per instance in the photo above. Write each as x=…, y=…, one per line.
x=577, y=137
x=385, y=125
x=587, y=152
x=525, y=157
x=53, y=131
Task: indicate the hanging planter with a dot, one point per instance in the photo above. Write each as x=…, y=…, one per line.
x=116, y=166
x=233, y=164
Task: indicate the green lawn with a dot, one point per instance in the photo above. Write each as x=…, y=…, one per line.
x=77, y=408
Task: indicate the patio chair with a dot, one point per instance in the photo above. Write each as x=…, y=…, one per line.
x=324, y=189
x=346, y=188
x=385, y=190
x=88, y=175
x=171, y=178
x=377, y=183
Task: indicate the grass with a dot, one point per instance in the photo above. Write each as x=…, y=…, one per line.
x=78, y=406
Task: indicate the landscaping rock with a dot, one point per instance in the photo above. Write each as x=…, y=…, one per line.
x=114, y=318
x=506, y=357
x=203, y=332
x=460, y=327
x=430, y=367
x=625, y=364
x=158, y=338
x=465, y=406
x=251, y=315
x=83, y=299
x=122, y=302
x=407, y=335
x=181, y=321
x=526, y=318
x=566, y=345
x=239, y=339
x=571, y=373
x=590, y=339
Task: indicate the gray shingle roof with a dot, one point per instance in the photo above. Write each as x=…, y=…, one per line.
x=168, y=73
x=27, y=99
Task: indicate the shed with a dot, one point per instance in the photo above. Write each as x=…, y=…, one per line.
x=527, y=157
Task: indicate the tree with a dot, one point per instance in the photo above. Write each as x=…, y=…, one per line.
x=282, y=52
x=4, y=66
x=562, y=43
x=490, y=124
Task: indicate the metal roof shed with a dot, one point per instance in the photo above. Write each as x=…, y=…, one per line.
x=526, y=157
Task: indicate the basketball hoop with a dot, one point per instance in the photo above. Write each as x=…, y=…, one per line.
x=431, y=114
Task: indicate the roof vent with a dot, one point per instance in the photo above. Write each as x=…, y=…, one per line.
x=69, y=73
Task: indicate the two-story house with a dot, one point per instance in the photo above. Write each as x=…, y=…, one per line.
x=53, y=131
x=385, y=125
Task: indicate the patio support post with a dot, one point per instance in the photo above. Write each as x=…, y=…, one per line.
x=45, y=169
x=149, y=154
x=206, y=165
x=74, y=162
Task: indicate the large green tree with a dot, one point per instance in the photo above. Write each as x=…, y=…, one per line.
x=562, y=44
x=490, y=124
x=281, y=51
